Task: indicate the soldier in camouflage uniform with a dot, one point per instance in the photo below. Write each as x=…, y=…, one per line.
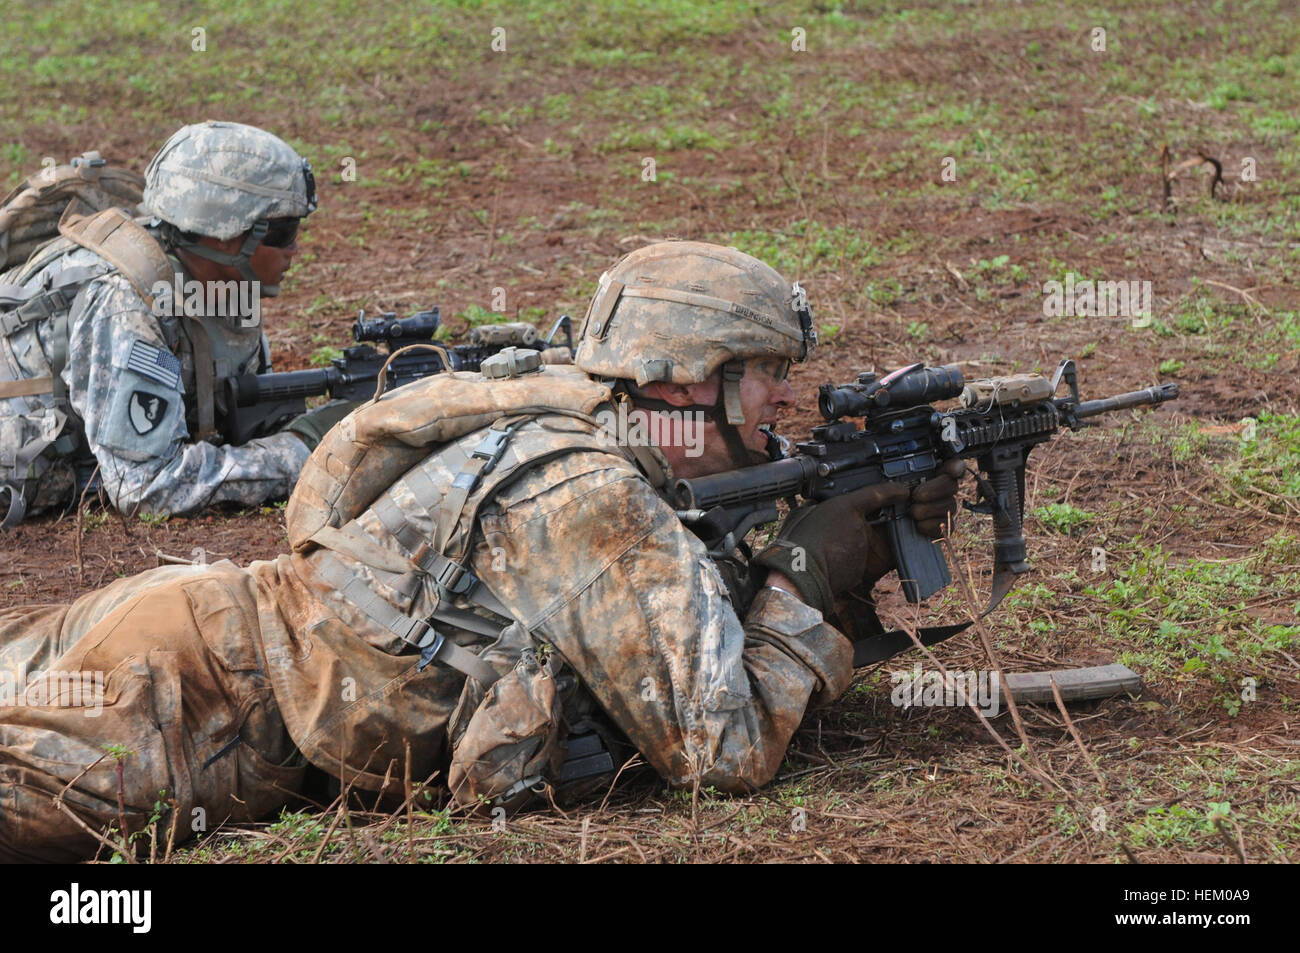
x=141, y=368
x=524, y=587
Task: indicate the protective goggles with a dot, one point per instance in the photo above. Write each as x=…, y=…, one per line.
x=281, y=232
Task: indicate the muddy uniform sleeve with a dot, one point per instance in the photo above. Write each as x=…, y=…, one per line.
x=598, y=565
x=126, y=386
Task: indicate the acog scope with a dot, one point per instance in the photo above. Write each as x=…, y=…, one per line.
x=389, y=327
x=905, y=387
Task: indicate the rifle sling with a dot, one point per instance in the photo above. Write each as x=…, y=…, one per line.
x=885, y=645
x=878, y=648
x=203, y=377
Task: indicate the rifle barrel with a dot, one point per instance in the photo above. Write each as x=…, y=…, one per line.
x=1150, y=395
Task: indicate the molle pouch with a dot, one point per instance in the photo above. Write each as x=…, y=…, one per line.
x=24, y=439
x=31, y=434
x=515, y=740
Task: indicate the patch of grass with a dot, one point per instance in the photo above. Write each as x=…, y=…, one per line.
x=324, y=355
x=1175, y=826
x=1268, y=470
x=804, y=248
x=656, y=139
x=1193, y=616
x=475, y=314
x=1062, y=518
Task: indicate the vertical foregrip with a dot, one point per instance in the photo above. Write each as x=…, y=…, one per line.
x=1009, y=542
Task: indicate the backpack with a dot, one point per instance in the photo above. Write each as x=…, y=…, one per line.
x=379, y=441
x=30, y=214
x=82, y=204
x=511, y=728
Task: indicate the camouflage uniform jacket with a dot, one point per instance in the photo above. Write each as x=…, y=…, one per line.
x=588, y=558
x=130, y=378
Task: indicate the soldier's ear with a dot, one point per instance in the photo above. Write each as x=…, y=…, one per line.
x=679, y=395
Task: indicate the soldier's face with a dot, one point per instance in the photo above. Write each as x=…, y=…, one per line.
x=764, y=392
x=270, y=263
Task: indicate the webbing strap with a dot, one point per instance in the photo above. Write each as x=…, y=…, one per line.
x=59, y=359
x=203, y=382
x=395, y=521
x=450, y=576
x=483, y=458
x=347, y=541
x=17, y=507
x=26, y=388
x=732, y=372
x=416, y=633
x=128, y=247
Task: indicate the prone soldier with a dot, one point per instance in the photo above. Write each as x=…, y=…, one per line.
x=117, y=334
x=483, y=577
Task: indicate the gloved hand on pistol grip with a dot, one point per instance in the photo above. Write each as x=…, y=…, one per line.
x=312, y=426
x=934, y=502
x=825, y=548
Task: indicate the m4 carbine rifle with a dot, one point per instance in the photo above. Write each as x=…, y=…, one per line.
x=904, y=439
x=260, y=404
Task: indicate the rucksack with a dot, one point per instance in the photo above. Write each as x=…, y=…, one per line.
x=516, y=738
x=29, y=215
x=378, y=442
x=85, y=203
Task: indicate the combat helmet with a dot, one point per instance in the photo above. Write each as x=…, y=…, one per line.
x=677, y=311
x=222, y=179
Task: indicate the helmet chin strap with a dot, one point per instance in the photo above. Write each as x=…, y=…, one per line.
x=740, y=453
x=242, y=259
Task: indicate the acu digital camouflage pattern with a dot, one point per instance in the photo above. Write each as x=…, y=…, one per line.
x=130, y=378
x=581, y=549
x=219, y=178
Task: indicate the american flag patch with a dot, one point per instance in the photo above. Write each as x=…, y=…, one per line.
x=156, y=364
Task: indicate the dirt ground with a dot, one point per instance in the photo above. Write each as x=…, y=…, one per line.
x=900, y=266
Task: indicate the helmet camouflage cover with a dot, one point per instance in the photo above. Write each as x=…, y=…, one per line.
x=678, y=311
x=221, y=178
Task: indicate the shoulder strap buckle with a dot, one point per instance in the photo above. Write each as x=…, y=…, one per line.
x=491, y=448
